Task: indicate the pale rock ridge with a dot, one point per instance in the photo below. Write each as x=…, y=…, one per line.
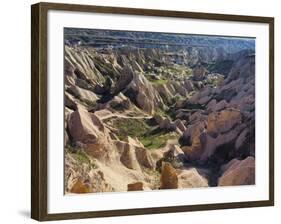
x=190, y=178
x=147, y=97
x=238, y=172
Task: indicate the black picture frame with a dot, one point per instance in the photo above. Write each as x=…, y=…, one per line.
x=39, y=110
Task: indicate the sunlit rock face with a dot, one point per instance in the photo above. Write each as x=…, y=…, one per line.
x=238, y=172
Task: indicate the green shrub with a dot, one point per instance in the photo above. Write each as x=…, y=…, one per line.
x=130, y=127
x=157, y=140
x=81, y=156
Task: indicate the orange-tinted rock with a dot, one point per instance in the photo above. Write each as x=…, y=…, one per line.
x=79, y=188
x=97, y=150
x=137, y=186
x=169, y=178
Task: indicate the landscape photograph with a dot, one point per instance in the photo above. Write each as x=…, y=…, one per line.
x=148, y=111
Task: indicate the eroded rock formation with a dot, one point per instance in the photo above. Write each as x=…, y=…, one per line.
x=145, y=118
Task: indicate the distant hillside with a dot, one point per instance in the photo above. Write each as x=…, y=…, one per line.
x=105, y=38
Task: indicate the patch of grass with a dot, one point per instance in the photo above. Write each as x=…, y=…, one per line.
x=147, y=135
x=217, y=81
x=81, y=156
x=168, y=72
x=130, y=127
x=159, y=81
x=179, y=70
x=157, y=140
x=156, y=80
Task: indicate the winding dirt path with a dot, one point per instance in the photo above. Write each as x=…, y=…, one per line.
x=103, y=115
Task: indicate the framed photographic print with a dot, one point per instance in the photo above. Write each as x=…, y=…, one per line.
x=140, y=111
